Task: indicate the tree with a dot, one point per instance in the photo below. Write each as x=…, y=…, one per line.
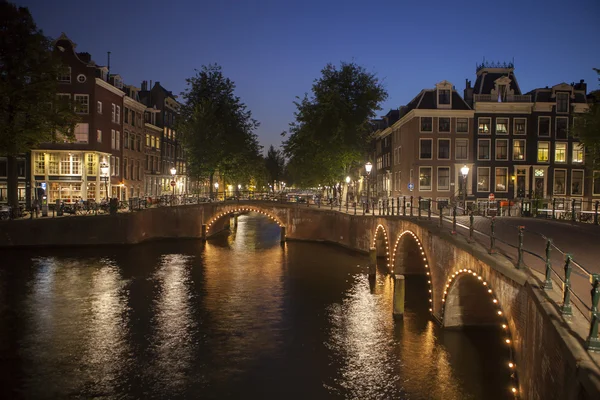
x=216, y=128
x=587, y=127
x=30, y=112
x=275, y=165
x=332, y=127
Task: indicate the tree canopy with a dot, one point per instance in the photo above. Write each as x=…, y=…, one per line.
x=275, y=165
x=30, y=112
x=587, y=128
x=332, y=127
x=217, y=129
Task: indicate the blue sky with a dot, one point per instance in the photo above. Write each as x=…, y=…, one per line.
x=273, y=50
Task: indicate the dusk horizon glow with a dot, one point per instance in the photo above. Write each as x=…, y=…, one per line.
x=273, y=51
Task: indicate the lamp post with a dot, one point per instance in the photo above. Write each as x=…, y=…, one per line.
x=104, y=172
x=173, y=172
x=347, y=189
x=465, y=172
x=217, y=189
x=368, y=167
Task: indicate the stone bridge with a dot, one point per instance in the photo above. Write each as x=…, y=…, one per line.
x=467, y=286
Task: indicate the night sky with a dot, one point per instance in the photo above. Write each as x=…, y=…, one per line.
x=273, y=50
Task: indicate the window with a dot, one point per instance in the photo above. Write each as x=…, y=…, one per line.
x=502, y=126
x=462, y=149
x=139, y=146
x=502, y=149
x=114, y=112
x=53, y=164
x=484, y=125
x=152, y=141
x=443, y=124
x=562, y=102
x=562, y=127
x=596, y=183
x=443, y=178
x=520, y=127
x=99, y=107
x=118, y=115
x=99, y=136
x=424, y=178
x=483, y=179
x=113, y=139
x=443, y=149
x=126, y=140
x=126, y=115
x=40, y=164
x=426, y=124
x=501, y=179
x=82, y=103
x=91, y=165
x=82, y=134
x=519, y=150
x=443, y=96
x=81, y=78
x=132, y=142
x=560, y=181
x=577, y=182
x=483, y=149
x=112, y=165
x=577, y=153
x=544, y=126
x=543, y=151
x=462, y=125
x=118, y=147
x=70, y=164
x=65, y=75
x=147, y=140
x=426, y=149
x=560, y=152
x=117, y=165
x=125, y=169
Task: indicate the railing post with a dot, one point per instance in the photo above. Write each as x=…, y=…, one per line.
x=554, y=208
x=419, y=209
x=566, y=307
x=440, y=210
x=454, y=220
x=492, y=236
x=592, y=342
x=387, y=205
x=596, y=213
x=404, y=205
x=573, y=210
x=398, y=206
x=392, y=206
x=411, y=206
x=548, y=281
x=471, y=226
x=509, y=203
x=429, y=209
x=520, y=250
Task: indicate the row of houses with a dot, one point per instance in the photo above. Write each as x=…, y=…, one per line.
x=516, y=145
x=125, y=142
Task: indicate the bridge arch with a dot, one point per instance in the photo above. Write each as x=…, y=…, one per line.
x=452, y=316
x=422, y=255
x=383, y=237
x=240, y=208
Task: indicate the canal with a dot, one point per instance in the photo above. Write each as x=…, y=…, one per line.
x=239, y=317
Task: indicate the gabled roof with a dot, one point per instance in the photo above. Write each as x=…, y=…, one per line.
x=427, y=100
x=486, y=79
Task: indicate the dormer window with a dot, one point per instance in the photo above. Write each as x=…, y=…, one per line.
x=562, y=102
x=118, y=83
x=444, y=96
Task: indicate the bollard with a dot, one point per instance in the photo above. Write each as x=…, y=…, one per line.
x=471, y=221
x=492, y=237
x=399, y=293
x=411, y=205
x=204, y=232
x=441, y=211
x=419, y=209
x=596, y=213
x=573, y=210
x=554, y=208
x=404, y=206
x=429, y=209
x=283, y=236
x=520, y=250
x=372, y=262
x=548, y=281
x=593, y=342
x=454, y=220
x=565, y=309
x=509, y=203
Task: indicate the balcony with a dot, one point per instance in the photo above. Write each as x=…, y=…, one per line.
x=514, y=98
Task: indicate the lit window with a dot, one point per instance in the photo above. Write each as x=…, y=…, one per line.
x=483, y=179
x=501, y=179
x=40, y=164
x=577, y=153
x=560, y=152
x=519, y=150
x=99, y=136
x=82, y=133
x=543, y=151
x=502, y=125
x=484, y=125
x=520, y=126
x=424, y=178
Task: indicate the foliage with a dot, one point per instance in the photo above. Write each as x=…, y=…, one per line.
x=30, y=112
x=217, y=129
x=275, y=165
x=332, y=129
x=587, y=128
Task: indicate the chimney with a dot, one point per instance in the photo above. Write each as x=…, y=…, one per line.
x=581, y=86
x=144, y=85
x=468, y=93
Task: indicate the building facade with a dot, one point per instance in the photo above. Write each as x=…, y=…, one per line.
x=153, y=133
x=134, y=147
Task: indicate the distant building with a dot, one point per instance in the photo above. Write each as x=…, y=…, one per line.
x=134, y=146
x=382, y=168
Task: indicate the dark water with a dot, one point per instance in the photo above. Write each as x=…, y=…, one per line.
x=239, y=318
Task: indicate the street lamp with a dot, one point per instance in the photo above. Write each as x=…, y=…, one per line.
x=104, y=172
x=347, y=189
x=368, y=168
x=173, y=172
x=217, y=189
x=464, y=171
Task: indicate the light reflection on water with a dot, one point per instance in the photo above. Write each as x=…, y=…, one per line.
x=239, y=317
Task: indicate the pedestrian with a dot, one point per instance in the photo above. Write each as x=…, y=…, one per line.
x=36, y=207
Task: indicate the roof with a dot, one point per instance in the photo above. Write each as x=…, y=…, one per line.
x=487, y=77
x=427, y=100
